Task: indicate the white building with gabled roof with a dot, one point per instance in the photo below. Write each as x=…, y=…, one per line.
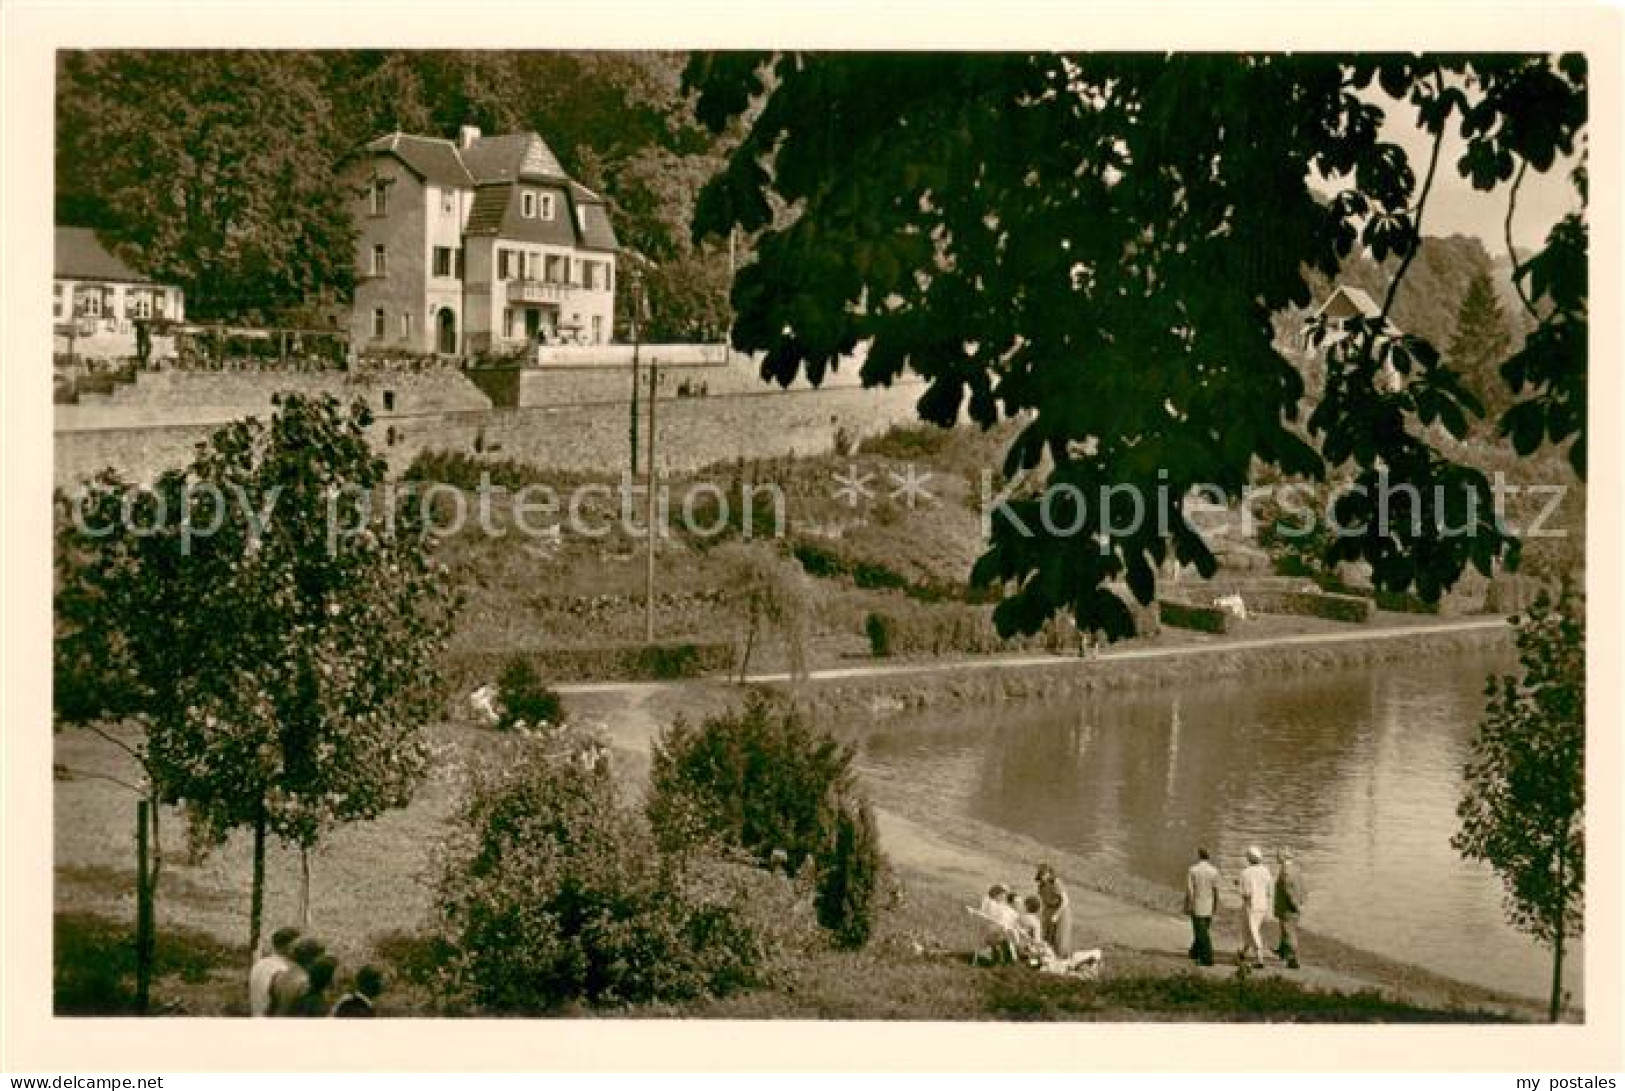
x=482, y=244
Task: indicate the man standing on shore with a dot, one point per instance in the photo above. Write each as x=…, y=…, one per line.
x=1255, y=900
x=1201, y=903
x=1290, y=893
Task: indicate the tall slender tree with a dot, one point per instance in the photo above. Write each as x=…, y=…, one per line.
x=1523, y=806
x=276, y=628
x=1481, y=344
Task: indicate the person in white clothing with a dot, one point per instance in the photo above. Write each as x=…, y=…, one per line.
x=1256, y=897
x=265, y=969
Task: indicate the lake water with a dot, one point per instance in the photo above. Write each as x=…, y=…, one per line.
x=1358, y=770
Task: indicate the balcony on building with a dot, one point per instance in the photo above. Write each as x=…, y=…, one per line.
x=538, y=291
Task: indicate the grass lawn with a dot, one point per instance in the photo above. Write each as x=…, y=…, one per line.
x=372, y=899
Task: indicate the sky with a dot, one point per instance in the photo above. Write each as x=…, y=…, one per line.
x=1455, y=208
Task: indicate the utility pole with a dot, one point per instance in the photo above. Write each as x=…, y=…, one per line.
x=649, y=557
x=637, y=339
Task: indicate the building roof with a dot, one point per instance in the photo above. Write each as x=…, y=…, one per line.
x=430, y=158
x=1347, y=301
x=80, y=255
x=597, y=233
x=510, y=157
x=492, y=166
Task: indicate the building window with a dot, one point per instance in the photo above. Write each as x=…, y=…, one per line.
x=406, y=326
x=140, y=305
x=380, y=263
x=504, y=266
x=528, y=203
x=448, y=202
x=379, y=196
x=88, y=304
x=378, y=323
x=160, y=302
x=442, y=261
x=389, y=401
x=554, y=270
x=547, y=206
x=56, y=301
x=507, y=322
x=598, y=329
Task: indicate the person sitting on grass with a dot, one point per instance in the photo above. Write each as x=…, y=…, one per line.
x=358, y=1002
x=1035, y=952
x=267, y=967
x=315, y=1001
x=1028, y=918
x=289, y=988
x=1001, y=925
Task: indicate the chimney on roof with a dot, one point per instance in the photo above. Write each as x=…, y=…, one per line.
x=467, y=135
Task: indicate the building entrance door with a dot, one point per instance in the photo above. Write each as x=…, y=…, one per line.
x=448, y=331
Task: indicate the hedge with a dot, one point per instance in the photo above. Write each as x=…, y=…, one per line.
x=1188, y=615
x=1351, y=608
x=1403, y=602
x=609, y=662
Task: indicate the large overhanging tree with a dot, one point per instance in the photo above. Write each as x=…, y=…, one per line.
x=1096, y=243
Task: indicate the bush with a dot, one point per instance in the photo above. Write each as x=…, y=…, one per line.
x=832, y=562
x=763, y=781
x=1351, y=608
x=526, y=700
x=621, y=662
x=878, y=630
x=1404, y=602
x=1185, y=615
x=851, y=877
x=555, y=893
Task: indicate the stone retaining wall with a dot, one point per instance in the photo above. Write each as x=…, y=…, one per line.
x=692, y=432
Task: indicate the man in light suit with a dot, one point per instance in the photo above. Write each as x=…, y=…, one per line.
x=1201, y=902
x=1257, y=897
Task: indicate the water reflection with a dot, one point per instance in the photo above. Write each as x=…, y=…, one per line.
x=1356, y=769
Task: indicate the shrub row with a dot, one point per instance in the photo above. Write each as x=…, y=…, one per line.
x=1188, y=615
x=969, y=630
x=1350, y=608
x=831, y=563
x=608, y=662
x=1403, y=602
x=935, y=630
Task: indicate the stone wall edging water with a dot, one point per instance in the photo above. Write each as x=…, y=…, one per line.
x=876, y=698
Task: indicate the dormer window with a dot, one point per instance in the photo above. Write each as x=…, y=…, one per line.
x=378, y=195
x=533, y=204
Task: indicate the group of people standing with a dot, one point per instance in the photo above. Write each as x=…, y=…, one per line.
x=1264, y=894
x=296, y=978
